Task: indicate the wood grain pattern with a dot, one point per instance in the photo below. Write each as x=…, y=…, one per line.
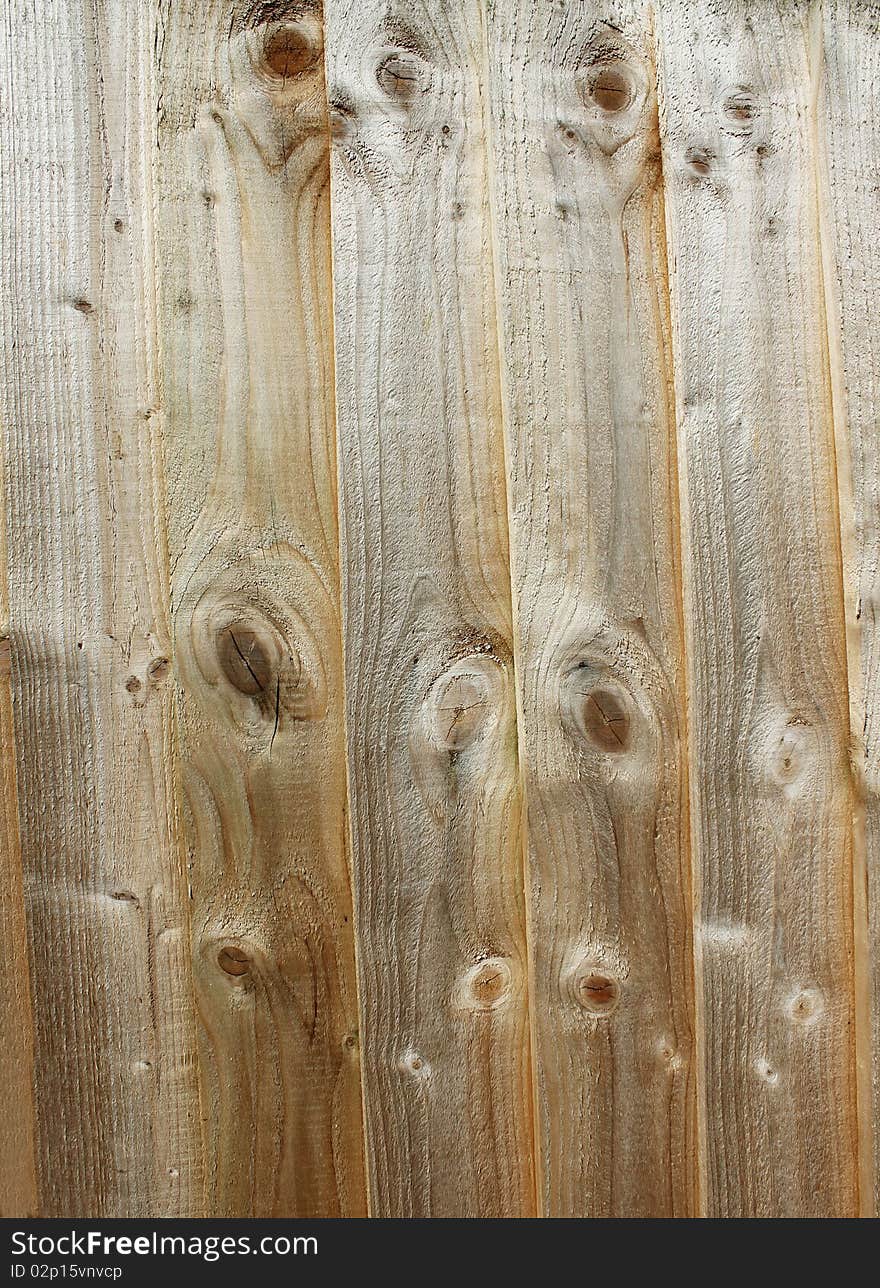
x=847, y=58
x=18, y=1180
x=772, y=791
x=594, y=523
x=245, y=235
x=439, y=557
x=430, y=702
x=114, y=1030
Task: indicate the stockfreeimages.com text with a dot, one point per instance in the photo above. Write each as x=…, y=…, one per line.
x=94, y=1243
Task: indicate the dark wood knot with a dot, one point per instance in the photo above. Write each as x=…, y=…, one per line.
x=291, y=49
x=245, y=659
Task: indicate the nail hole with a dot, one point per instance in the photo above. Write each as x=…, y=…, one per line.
x=414, y=1063
x=766, y=1072
x=806, y=1006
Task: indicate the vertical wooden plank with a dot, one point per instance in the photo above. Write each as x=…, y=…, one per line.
x=18, y=1179
x=591, y=448
x=849, y=136
x=248, y=363
x=772, y=790
x=88, y=616
x=430, y=702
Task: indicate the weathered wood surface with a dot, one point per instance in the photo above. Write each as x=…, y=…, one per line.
x=88, y=627
x=768, y=708
x=594, y=526
x=847, y=58
x=248, y=363
x=18, y=1180
x=435, y=803
x=486, y=821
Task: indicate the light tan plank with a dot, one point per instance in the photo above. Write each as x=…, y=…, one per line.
x=847, y=58
x=248, y=363
x=591, y=448
x=88, y=616
x=772, y=791
x=430, y=702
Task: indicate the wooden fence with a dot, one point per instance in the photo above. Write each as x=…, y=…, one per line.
x=441, y=671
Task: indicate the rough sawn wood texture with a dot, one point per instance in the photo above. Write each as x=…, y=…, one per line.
x=438, y=576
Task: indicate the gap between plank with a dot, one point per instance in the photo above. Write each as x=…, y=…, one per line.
x=538, y=1170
